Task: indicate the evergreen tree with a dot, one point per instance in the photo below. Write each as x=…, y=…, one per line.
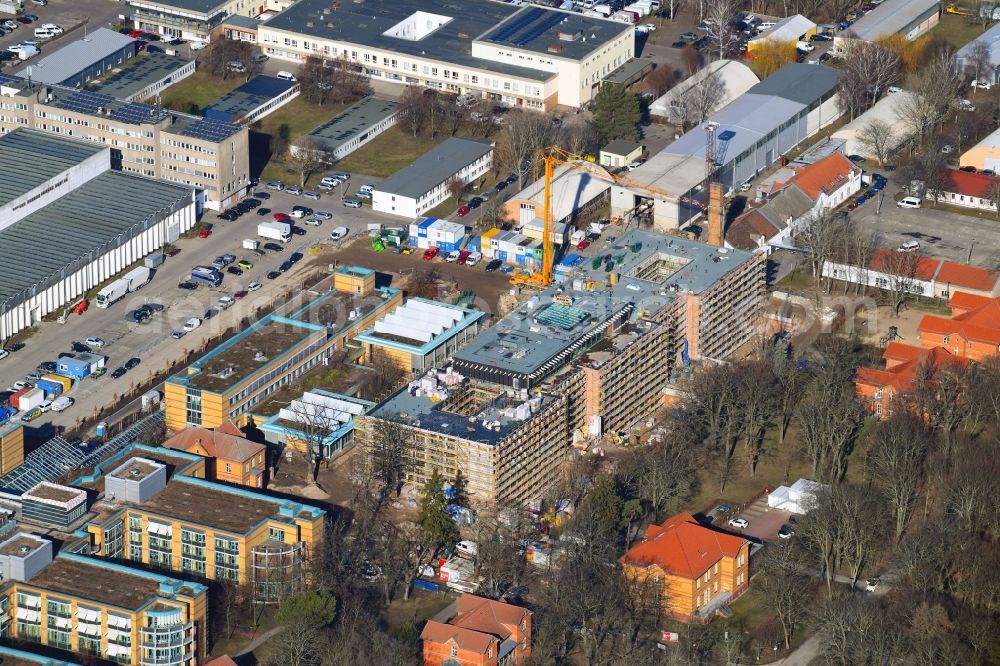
x=616, y=113
x=439, y=529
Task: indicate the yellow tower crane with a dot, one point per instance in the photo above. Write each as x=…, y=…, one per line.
x=550, y=157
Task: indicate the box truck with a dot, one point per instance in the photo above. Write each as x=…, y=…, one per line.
x=112, y=293
x=31, y=399
x=279, y=231
x=250, y=244
x=154, y=260
x=138, y=277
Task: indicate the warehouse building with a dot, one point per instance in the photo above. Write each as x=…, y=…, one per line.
x=75, y=603
x=575, y=193
x=703, y=93
x=789, y=30
x=84, y=60
x=422, y=185
x=255, y=99
x=60, y=204
x=156, y=508
x=589, y=356
x=420, y=334
x=964, y=57
x=144, y=139
x=143, y=78
x=228, y=382
x=752, y=132
x=519, y=56
x=352, y=128
x=909, y=18
x=886, y=110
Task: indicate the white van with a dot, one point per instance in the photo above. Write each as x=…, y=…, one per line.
x=908, y=202
x=45, y=33
x=286, y=76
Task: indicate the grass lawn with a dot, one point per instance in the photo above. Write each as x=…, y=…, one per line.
x=419, y=607
x=388, y=153
x=957, y=30
x=200, y=88
x=300, y=116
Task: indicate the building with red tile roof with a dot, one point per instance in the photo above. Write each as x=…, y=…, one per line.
x=483, y=632
x=815, y=187
x=883, y=389
x=693, y=569
x=233, y=458
x=924, y=276
x=968, y=189
x=972, y=332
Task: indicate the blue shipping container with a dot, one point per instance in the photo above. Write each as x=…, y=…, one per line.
x=474, y=244
x=51, y=388
x=428, y=585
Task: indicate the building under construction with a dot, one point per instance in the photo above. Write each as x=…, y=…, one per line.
x=589, y=356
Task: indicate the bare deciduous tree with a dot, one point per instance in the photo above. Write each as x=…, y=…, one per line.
x=977, y=59
x=879, y=138
x=784, y=587
x=932, y=92
x=311, y=431
x=720, y=17
x=898, y=447
x=390, y=453
x=867, y=70
x=305, y=157
x=900, y=271
x=828, y=417
x=524, y=134
x=415, y=109
x=700, y=100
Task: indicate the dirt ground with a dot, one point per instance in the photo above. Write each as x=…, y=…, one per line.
x=487, y=286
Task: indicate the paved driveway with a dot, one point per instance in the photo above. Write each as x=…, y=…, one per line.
x=764, y=521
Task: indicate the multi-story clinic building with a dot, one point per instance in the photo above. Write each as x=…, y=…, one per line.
x=519, y=56
x=156, y=508
x=588, y=356
x=229, y=381
x=80, y=604
x=147, y=140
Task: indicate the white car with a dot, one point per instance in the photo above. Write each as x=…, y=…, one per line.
x=226, y=302
x=908, y=202
x=313, y=222
x=805, y=47
x=45, y=405
x=95, y=342
x=338, y=233
x=61, y=403
x=452, y=256
x=52, y=27
x=4, y=354
x=253, y=286
x=649, y=27
x=741, y=523
x=632, y=166
x=352, y=203
x=473, y=258
x=909, y=246
x=17, y=386
x=286, y=76
x=198, y=45
x=192, y=324
x=297, y=213
x=982, y=84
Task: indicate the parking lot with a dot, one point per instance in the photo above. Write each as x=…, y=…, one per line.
x=74, y=16
x=941, y=233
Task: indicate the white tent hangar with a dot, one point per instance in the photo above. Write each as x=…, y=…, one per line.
x=797, y=498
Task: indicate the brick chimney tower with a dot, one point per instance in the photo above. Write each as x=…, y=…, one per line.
x=716, y=215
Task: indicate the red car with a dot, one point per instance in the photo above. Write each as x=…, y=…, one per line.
x=282, y=217
x=240, y=294
x=462, y=256
x=463, y=211
x=583, y=245
x=136, y=34
x=430, y=253
x=204, y=233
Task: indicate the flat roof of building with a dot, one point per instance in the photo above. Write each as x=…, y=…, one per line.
x=554, y=32
x=420, y=325
x=136, y=469
x=55, y=493
x=250, y=96
x=542, y=334
x=892, y=17
x=366, y=23
x=139, y=73
x=80, y=224
x=75, y=57
x=233, y=361
x=214, y=505
x=435, y=166
x=21, y=544
x=352, y=121
x=207, y=7
x=92, y=581
x=48, y=156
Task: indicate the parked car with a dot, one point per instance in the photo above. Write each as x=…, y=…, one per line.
x=131, y=363
x=908, y=202
x=452, y=256
x=95, y=342
x=240, y=295
x=430, y=253
x=323, y=215
x=463, y=211
x=254, y=286
x=493, y=265
x=463, y=256
x=352, y=203
x=294, y=190
x=273, y=247
x=187, y=284
x=785, y=532
x=80, y=348
x=740, y=523
x=909, y=246
x=315, y=196
x=275, y=185
x=191, y=324
x=118, y=372
x=273, y=275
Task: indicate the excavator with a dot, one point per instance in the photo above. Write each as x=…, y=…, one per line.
x=550, y=157
x=958, y=10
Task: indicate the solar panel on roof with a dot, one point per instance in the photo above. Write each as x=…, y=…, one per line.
x=529, y=16
x=539, y=29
